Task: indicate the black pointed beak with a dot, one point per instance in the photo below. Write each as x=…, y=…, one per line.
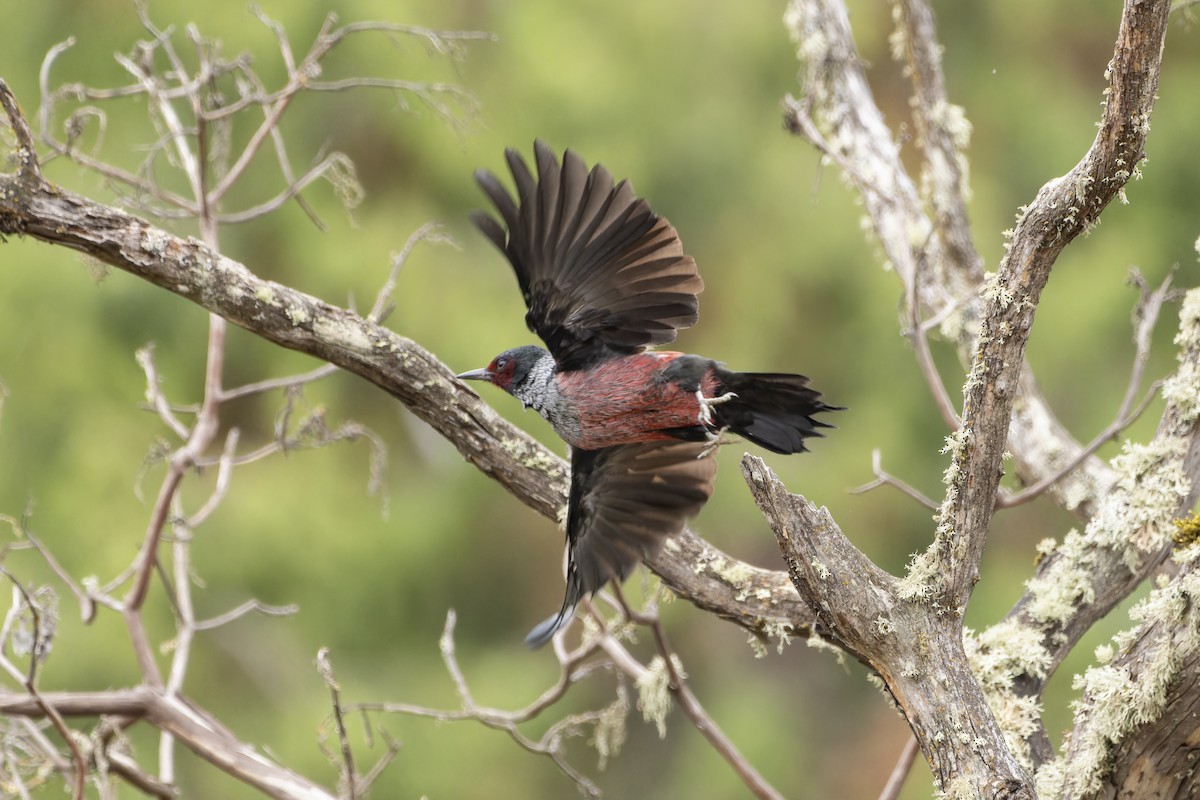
x=483, y=374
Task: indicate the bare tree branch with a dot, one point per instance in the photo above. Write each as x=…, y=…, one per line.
x=185, y=722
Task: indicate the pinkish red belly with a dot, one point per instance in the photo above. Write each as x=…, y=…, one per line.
x=622, y=402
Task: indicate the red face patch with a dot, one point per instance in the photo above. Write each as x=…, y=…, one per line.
x=502, y=369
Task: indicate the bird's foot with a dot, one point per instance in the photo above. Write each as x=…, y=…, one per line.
x=707, y=403
x=714, y=443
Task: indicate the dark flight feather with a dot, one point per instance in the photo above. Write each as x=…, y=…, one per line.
x=625, y=501
x=602, y=275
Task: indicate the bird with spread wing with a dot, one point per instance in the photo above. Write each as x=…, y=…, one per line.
x=604, y=280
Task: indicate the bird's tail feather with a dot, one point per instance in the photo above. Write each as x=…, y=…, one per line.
x=773, y=410
x=545, y=630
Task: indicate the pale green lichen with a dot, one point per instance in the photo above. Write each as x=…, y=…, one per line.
x=1182, y=389
x=1045, y=548
x=654, y=692
x=958, y=325
x=1115, y=700
x=704, y=563
x=735, y=573
x=876, y=681
x=953, y=119
x=349, y=337
x=1076, y=493
x=781, y=631
x=959, y=789
x=298, y=315
x=1131, y=520
x=777, y=629
x=1135, y=515
x=1050, y=778
x=534, y=458
x=757, y=645
x=1189, y=319
x=811, y=45
x=1004, y=651
x=994, y=290
x=917, y=583
x=155, y=241
x=609, y=733
x=819, y=567
x=1056, y=595
x=898, y=38
x=998, y=656
x=817, y=643
x=884, y=626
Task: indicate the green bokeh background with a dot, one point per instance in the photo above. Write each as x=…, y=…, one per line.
x=683, y=98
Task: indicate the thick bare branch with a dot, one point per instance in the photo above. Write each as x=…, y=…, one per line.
x=1062, y=210
x=915, y=650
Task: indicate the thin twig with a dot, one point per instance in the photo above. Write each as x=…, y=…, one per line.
x=393, y=747
x=573, y=668
x=918, y=336
x=224, y=476
x=1004, y=500
x=883, y=478
x=798, y=118
x=158, y=518
x=272, y=384
x=87, y=606
x=377, y=313
x=154, y=393
x=124, y=766
x=904, y=765
x=37, y=654
x=26, y=149
x=692, y=707
x=1145, y=315
x=349, y=773
x=248, y=607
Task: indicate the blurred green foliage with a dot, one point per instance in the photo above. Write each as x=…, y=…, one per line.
x=684, y=99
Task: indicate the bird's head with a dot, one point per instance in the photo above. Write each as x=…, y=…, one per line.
x=511, y=369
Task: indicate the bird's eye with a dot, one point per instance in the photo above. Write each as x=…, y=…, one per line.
x=501, y=362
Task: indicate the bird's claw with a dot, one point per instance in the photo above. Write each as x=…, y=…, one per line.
x=707, y=403
x=714, y=443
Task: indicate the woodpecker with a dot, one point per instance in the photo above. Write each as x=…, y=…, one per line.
x=604, y=280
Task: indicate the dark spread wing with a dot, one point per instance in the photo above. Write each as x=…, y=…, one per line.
x=601, y=273
x=624, y=503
